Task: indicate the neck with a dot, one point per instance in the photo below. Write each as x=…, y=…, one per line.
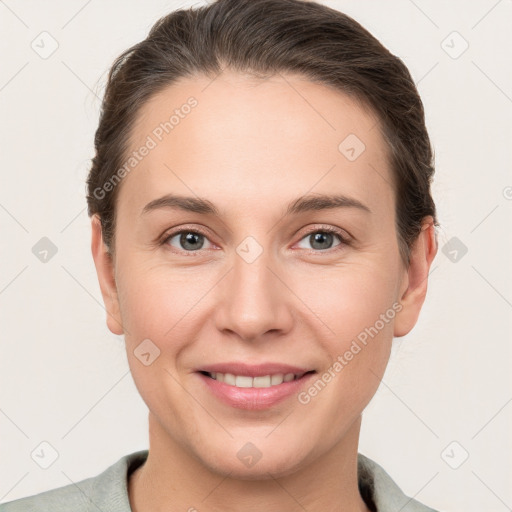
x=172, y=479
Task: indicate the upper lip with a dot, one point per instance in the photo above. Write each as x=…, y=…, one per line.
x=254, y=370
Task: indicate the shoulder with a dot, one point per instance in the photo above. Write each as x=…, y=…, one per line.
x=106, y=492
x=377, y=485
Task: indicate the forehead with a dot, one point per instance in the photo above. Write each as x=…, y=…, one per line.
x=240, y=137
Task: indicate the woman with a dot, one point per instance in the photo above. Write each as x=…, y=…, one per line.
x=262, y=227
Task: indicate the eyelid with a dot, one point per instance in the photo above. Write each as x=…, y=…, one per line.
x=171, y=233
x=344, y=237
x=343, y=234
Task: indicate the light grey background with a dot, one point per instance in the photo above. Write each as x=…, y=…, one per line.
x=64, y=376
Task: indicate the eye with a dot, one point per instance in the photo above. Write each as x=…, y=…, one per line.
x=192, y=240
x=187, y=240
x=321, y=239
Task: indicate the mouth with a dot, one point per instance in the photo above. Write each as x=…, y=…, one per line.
x=253, y=387
x=261, y=381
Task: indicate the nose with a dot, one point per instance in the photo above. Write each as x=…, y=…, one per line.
x=254, y=301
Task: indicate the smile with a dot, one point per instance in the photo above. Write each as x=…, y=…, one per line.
x=246, y=381
x=264, y=390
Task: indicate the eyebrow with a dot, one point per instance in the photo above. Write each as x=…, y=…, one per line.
x=311, y=202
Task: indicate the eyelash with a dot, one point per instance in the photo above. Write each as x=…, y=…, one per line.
x=323, y=229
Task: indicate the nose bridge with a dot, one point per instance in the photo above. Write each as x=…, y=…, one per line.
x=255, y=299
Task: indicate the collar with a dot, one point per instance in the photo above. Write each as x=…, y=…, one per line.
x=109, y=490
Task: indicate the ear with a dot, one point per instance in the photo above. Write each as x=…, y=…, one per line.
x=414, y=287
x=106, y=277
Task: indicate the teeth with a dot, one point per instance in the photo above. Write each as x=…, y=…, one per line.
x=244, y=381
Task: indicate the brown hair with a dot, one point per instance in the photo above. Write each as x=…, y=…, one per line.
x=263, y=37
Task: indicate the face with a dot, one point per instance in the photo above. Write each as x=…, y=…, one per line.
x=284, y=260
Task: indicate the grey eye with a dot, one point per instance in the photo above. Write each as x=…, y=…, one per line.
x=321, y=240
x=189, y=241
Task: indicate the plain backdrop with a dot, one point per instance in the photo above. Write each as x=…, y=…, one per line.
x=440, y=423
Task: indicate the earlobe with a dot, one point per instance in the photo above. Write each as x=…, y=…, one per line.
x=422, y=254
x=105, y=271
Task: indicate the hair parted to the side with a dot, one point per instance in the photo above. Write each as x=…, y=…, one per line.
x=262, y=38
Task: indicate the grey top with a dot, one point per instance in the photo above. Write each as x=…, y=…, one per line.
x=108, y=491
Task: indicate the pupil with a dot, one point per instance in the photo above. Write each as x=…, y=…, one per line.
x=192, y=239
x=321, y=237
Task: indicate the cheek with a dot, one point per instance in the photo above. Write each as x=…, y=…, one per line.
x=157, y=304
x=158, y=301
x=358, y=354
x=350, y=299
x=355, y=307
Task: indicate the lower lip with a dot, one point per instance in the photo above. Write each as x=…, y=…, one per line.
x=254, y=398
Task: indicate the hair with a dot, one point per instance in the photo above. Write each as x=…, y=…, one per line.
x=262, y=38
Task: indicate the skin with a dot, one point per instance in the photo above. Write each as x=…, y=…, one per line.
x=250, y=147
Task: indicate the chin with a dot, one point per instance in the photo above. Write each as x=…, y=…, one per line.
x=249, y=463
